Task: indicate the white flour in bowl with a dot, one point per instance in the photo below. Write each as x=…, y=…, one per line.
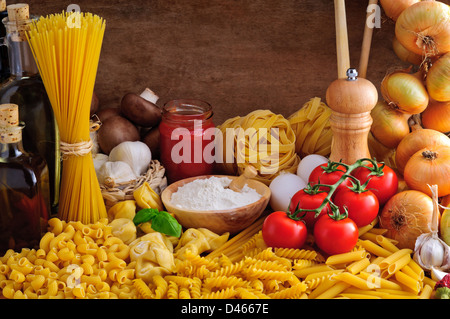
x=212, y=194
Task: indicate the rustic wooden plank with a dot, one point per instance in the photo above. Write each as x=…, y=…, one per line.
x=239, y=55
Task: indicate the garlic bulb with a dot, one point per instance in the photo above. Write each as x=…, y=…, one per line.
x=112, y=174
x=135, y=153
x=99, y=159
x=431, y=252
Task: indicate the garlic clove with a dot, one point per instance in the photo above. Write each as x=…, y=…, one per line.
x=135, y=153
x=437, y=274
x=112, y=174
x=99, y=159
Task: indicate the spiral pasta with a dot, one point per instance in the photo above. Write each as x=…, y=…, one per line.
x=74, y=261
x=261, y=138
x=312, y=128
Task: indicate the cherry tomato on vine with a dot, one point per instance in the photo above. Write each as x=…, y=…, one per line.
x=335, y=234
x=383, y=180
x=280, y=230
x=309, y=198
x=362, y=205
x=329, y=174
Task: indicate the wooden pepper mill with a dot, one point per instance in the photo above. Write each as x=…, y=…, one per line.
x=351, y=100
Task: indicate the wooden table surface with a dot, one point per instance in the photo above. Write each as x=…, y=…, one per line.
x=238, y=55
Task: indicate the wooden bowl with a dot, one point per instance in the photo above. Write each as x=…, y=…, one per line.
x=218, y=221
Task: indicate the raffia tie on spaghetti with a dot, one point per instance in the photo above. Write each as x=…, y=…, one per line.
x=77, y=149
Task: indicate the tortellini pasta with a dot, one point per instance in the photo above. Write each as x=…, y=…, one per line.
x=123, y=209
x=199, y=240
x=124, y=229
x=153, y=254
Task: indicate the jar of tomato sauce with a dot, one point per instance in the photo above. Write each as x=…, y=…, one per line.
x=187, y=139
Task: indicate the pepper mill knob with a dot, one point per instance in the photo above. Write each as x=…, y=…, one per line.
x=352, y=74
x=351, y=100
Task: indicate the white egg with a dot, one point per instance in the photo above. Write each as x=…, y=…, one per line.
x=283, y=187
x=308, y=163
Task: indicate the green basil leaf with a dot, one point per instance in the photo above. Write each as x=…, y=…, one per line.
x=165, y=223
x=144, y=215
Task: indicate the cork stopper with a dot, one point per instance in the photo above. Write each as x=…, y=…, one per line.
x=18, y=15
x=18, y=12
x=2, y=5
x=10, y=130
x=9, y=115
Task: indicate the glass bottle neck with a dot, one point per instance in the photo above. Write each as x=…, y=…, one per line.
x=10, y=150
x=21, y=60
x=11, y=142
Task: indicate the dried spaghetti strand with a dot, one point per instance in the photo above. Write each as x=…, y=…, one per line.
x=67, y=58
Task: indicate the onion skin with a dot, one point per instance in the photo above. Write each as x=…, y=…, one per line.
x=404, y=54
x=406, y=216
x=429, y=166
x=437, y=116
x=424, y=28
x=405, y=91
x=415, y=141
x=438, y=79
x=389, y=126
x=393, y=8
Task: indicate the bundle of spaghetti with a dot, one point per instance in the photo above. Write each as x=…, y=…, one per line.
x=312, y=128
x=261, y=138
x=67, y=57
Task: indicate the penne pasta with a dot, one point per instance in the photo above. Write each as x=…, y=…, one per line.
x=409, y=282
x=374, y=248
x=385, y=263
x=358, y=266
x=334, y=290
x=346, y=257
x=352, y=280
x=386, y=243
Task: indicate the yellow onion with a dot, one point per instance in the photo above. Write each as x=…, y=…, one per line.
x=438, y=79
x=405, y=92
x=424, y=28
x=393, y=8
x=389, y=126
x=406, y=216
x=404, y=54
x=437, y=116
x=430, y=165
x=380, y=152
x=414, y=142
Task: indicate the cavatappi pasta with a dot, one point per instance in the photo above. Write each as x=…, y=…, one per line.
x=89, y=261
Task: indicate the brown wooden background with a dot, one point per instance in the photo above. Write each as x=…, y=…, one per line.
x=239, y=55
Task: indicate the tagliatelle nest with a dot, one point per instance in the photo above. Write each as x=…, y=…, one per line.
x=155, y=177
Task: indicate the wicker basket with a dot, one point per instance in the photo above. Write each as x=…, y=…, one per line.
x=154, y=177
